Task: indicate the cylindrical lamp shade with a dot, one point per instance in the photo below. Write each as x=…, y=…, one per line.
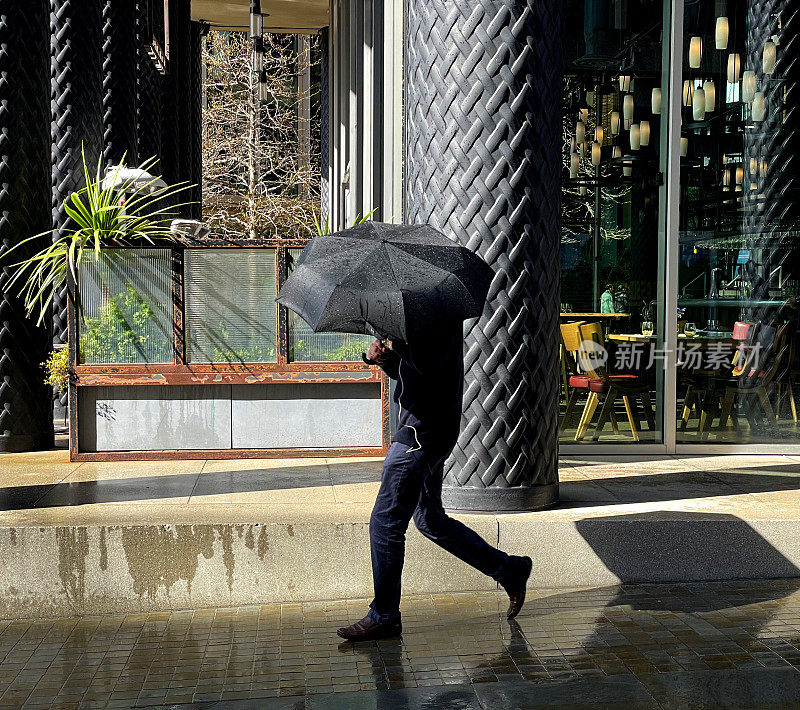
x=627, y=167
x=636, y=139
x=582, y=190
x=753, y=166
x=580, y=132
x=684, y=147
x=688, y=92
x=759, y=106
x=624, y=82
x=770, y=57
x=739, y=175
x=711, y=95
x=590, y=98
x=596, y=152
x=583, y=115
x=748, y=86
x=627, y=109
x=699, y=104
x=614, y=123
x=616, y=152
x=695, y=52
x=726, y=178
x=721, y=33
x=734, y=67
x=598, y=134
x=655, y=101
x=582, y=147
x=762, y=168
x=644, y=132
x=574, y=164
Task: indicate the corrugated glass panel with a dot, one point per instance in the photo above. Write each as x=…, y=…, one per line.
x=307, y=346
x=230, y=305
x=126, y=307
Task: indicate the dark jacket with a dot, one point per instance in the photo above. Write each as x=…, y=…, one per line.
x=430, y=386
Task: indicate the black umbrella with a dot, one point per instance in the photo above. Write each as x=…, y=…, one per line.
x=386, y=280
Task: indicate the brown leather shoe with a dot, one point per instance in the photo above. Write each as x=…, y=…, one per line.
x=516, y=589
x=368, y=629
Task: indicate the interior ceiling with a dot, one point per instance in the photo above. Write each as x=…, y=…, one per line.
x=281, y=15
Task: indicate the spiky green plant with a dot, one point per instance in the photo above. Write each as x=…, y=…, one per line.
x=324, y=227
x=126, y=214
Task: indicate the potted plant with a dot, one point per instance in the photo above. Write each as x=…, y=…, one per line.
x=121, y=208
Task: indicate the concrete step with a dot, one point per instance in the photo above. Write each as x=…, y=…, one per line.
x=96, y=568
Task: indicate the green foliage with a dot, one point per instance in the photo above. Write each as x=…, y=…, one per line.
x=126, y=331
x=349, y=351
x=224, y=351
x=324, y=227
x=56, y=368
x=127, y=214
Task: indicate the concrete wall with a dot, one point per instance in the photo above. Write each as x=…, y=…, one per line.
x=56, y=571
x=224, y=416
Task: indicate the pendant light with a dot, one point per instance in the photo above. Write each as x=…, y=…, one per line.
x=762, y=168
x=616, y=152
x=598, y=134
x=574, y=164
x=644, y=132
x=684, y=147
x=635, y=136
x=726, y=178
x=655, y=101
x=573, y=146
x=699, y=104
x=770, y=57
x=688, y=92
x=627, y=109
x=583, y=115
x=596, y=152
x=734, y=67
x=721, y=33
x=627, y=167
x=759, y=106
x=580, y=132
x=256, y=19
x=748, y=86
x=582, y=190
x=695, y=52
x=590, y=98
x=739, y=175
x=624, y=82
x=711, y=95
x=614, y=123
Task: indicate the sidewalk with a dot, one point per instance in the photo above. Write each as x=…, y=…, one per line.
x=633, y=647
x=146, y=537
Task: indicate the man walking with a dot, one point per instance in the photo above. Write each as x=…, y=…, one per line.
x=430, y=373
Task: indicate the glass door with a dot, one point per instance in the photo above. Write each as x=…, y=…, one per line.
x=739, y=223
x=613, y=245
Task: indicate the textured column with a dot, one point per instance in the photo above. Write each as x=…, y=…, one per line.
x=26, y=413
x=483, y=163
x=771, y=157
x=76, y=78
x=119, y=82
x=195, y=122
x=149, y=79
x=324, y=97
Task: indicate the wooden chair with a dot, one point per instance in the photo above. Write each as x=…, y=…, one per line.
x=701, y=394
x=576, y=382
x=608, y=388
x=756, y=377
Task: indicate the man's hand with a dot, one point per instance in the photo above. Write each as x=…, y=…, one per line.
x=377, y=352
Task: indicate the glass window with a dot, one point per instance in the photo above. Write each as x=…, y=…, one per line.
x=612, y=237
x=126, y=307
x=307, y=346
x=230, y=305
x=739, y=273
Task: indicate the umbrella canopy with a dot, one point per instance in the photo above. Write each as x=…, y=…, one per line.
x=385, y=280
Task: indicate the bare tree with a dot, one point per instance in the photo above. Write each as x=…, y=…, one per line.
x=254, y=182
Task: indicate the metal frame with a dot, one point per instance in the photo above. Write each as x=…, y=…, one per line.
x=182, y=372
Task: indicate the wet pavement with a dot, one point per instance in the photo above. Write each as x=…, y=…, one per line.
x=711, y=645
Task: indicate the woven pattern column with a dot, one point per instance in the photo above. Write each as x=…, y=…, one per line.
x=195, y=122
x=148, y=89
x=324, y=108
x=483, y=164
x=119, y=83
x=26, y=412
x=76, y=79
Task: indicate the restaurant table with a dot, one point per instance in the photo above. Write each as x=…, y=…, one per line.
x=699, y=339
x=610, y=316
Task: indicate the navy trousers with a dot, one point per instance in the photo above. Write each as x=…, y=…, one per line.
x=411, y=486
